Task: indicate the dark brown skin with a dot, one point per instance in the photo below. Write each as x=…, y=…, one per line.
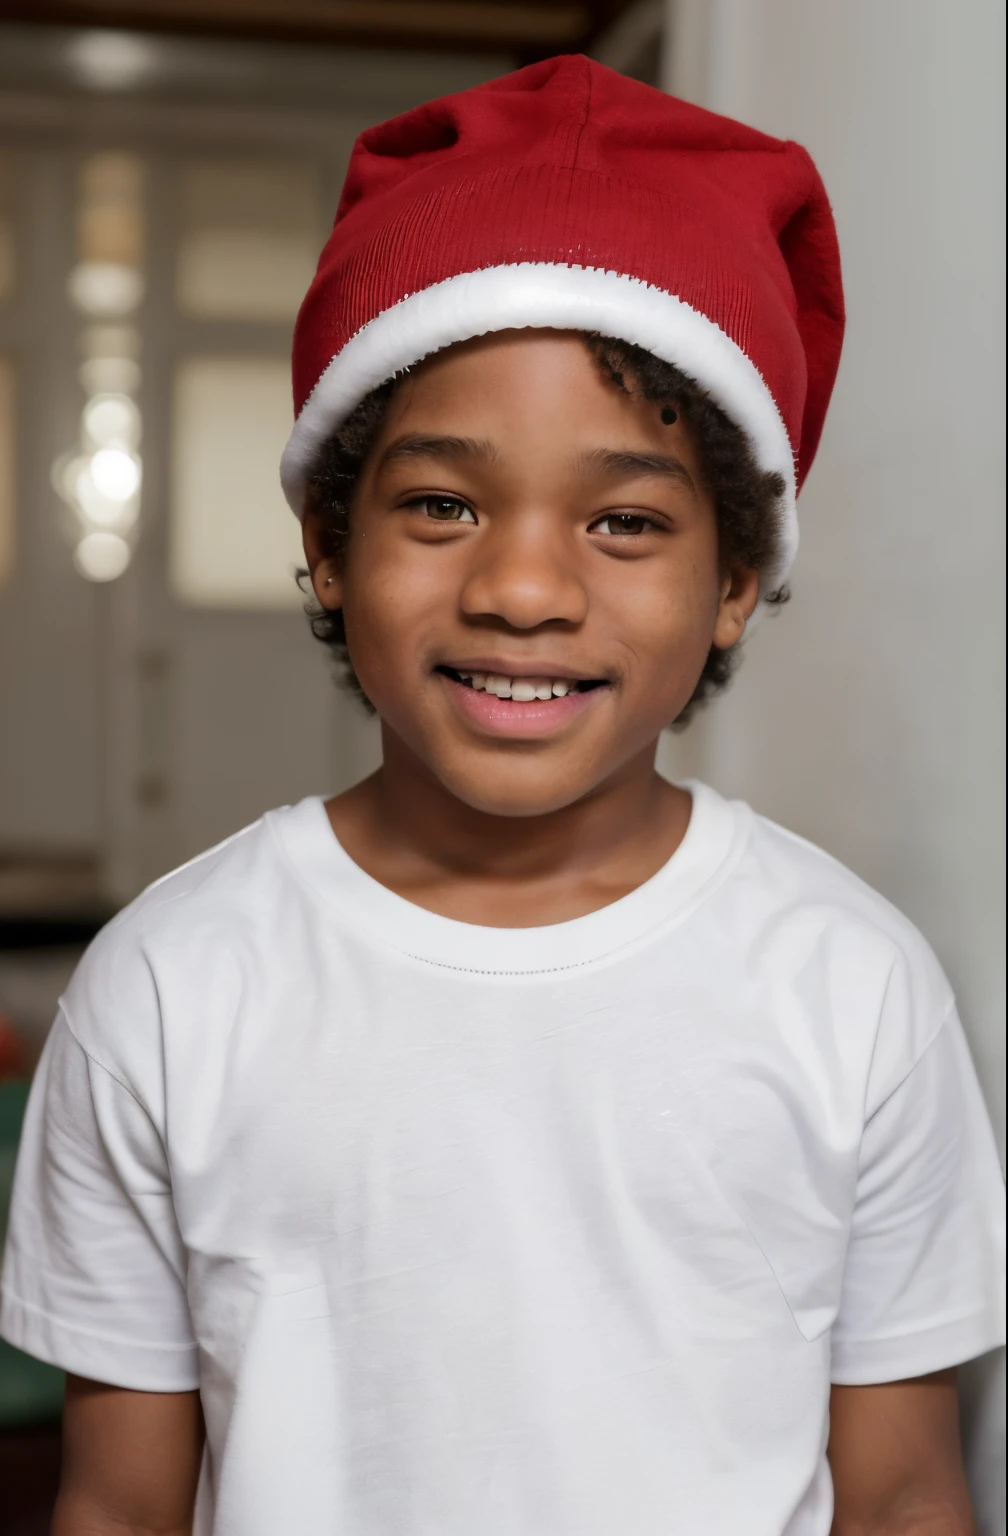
x=131, y=1461
x=896, y=1461
x=512, y=832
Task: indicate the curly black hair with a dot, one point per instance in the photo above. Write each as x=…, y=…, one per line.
x=746, y=498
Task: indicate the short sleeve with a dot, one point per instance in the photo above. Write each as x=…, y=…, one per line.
x=94, y=1269
x=923, y=1284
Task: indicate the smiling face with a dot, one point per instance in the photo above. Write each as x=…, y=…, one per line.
x=531, y=581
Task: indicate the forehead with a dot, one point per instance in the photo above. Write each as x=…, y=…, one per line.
x=537, y=387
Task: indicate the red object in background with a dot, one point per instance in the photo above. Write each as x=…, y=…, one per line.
x=12, y=1056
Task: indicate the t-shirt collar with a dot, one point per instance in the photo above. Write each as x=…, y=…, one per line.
x=714, y=838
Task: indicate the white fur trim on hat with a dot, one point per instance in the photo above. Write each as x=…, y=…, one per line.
x=546, y=294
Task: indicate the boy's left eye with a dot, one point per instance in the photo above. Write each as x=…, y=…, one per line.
x=621, y=522
x=445, y=509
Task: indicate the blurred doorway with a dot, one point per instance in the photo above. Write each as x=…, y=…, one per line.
x=159, y=686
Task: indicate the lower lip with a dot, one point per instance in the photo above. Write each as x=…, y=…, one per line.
x=504, y=717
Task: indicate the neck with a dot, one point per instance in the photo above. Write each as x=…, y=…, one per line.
x=413, y=835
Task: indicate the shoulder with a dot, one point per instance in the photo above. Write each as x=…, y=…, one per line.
x=825, y=933
x=167, y=944
x=798, y=872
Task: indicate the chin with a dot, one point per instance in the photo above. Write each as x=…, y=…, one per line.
x=507, y=790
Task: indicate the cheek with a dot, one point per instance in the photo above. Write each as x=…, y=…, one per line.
x=369, y=603
x=667, y=614
x=386, y=607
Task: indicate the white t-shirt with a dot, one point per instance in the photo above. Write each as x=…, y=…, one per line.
x=557, y=1231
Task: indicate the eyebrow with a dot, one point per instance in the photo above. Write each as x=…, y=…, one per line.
x=624, y=464
x=607, y=463
x=459, y=449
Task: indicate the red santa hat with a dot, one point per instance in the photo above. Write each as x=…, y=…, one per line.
x=565, y=195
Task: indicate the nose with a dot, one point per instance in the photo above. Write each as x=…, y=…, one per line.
x=525, y=574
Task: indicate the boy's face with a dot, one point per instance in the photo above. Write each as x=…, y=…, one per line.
x=520, y=516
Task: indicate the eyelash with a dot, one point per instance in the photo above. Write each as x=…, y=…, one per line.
x=630, y=517
x=424, y=502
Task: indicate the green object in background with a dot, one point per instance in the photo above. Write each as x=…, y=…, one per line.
x=30, y=1391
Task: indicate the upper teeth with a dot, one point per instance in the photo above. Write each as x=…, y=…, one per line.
x=522, y=689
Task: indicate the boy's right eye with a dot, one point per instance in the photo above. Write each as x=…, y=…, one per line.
x=445, y=509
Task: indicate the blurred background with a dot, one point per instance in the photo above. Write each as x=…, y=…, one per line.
x=168, y=173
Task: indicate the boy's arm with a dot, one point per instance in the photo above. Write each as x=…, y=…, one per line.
x=895, y=1457
x=923, y=1285
x=131, y=1461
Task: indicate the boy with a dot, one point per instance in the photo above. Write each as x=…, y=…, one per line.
x=518, y=1144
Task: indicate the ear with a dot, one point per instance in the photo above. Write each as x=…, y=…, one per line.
x=739, y=596
x=323, y=568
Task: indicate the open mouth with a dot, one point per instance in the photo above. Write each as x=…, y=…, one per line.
x=522, y=690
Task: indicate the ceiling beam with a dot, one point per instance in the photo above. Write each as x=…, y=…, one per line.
x=520, y=26
x=636, y=29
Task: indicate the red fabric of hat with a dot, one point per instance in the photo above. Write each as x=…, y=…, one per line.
x=568, y=196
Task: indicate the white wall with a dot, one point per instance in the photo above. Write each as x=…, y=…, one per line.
x=869, y=714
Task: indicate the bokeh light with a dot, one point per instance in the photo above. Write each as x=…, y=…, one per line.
x=112, y=421
x=102, y=556
x=115, y=473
